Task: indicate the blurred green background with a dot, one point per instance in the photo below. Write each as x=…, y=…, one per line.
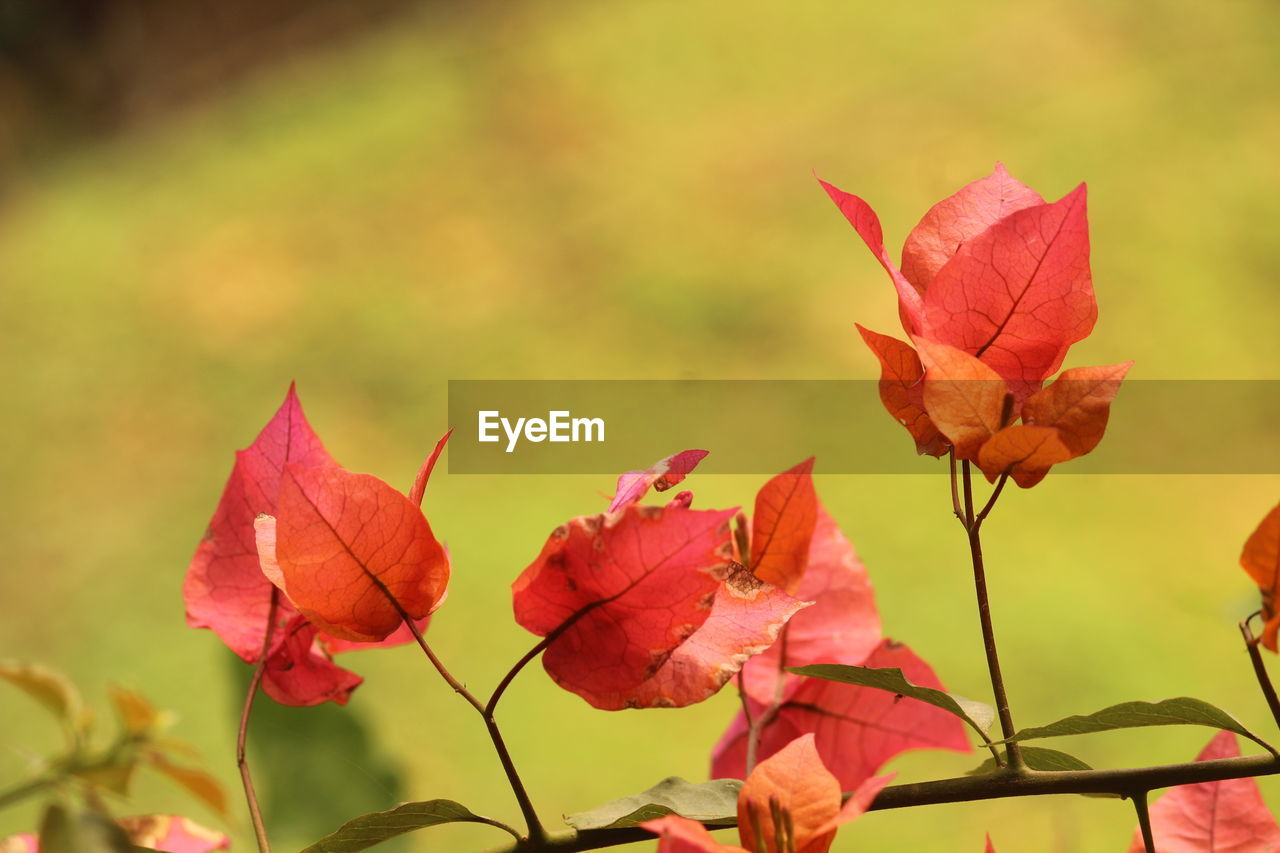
x=588, y=190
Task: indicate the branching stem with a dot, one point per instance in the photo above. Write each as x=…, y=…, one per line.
x=1144, y=820
x=973, y=526
x=246, y=779
x=1260, y=669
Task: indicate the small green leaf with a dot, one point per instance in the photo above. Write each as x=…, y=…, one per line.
x=52, y=690
x=115, y=776
x=978, y=715
x=88, y=832
x=368, y=830
x=714, y=803
x=1182, y=711
x=1036, y=758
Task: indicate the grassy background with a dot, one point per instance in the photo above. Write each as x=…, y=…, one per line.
x=618, y=191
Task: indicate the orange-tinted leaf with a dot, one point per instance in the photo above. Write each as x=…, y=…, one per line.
x=793, y=781
x=200, y=784
x=991, y=848
x=867, y=224
x=662, y=475
x=680, y=835
x=1212, y=817
x=225, y=589
x=959, y=218
x=1018, y=294
x=1077, y=404
x=857, y=729
x=623, y=598
x=902, y=390
x=354, y=554
x=782, y=527
x=842, y=625
x=1261, y=559
x=965, y=398
x=1026, y=452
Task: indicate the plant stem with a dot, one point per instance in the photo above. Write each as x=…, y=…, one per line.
x=756, y=727
x=955, y=490
x=26, y=789
x=991, y=786
x=246, y=779
x=536, y=833
x=1260, y=670
x=1144, y=820
x=974, y=526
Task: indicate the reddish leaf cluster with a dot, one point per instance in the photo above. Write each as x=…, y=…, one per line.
x=856, y=729
x=304, y=559
x=645, y=606
x=993, y=290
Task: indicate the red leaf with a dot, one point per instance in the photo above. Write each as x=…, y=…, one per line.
x=745, y=618
x=1212, y=817
x=959, y=218
x=300, y=672
x=857, y=729
x=842, y=626
x=1077, y=404
x=1261, y=559
x=902, y=391
x=991, y=848
x=424, y=473
x=965, y=398
x=224, y=588
x=662, y=475
x=622, y=599
x=782, y=527
x=867, y=224
x=1019, y=294
x=354, y=554
x=1026, y=452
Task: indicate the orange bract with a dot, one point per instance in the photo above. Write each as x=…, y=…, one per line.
x=355, y=555
x=1261, y=559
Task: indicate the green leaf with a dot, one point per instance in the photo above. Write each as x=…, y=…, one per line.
x=54, y=691
x=87, y=832
x=714, y=803
x=368, y=830
x=1182, y=711
x=1037, y=758
x=979, y=716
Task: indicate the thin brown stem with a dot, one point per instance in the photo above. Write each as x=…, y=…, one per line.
x=246, y=779
x=955, y=489
x=992, y=786
x=1260, y=670
x=756, y=727
x=536, y=831
x=1144, y=820
x=974, y=525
